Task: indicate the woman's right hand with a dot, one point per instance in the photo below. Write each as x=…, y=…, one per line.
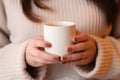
x=35, y=54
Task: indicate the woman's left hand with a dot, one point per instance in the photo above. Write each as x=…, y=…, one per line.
x=83, y=50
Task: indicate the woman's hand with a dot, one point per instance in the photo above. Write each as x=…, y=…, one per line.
x=83, y=51
x=35, y=54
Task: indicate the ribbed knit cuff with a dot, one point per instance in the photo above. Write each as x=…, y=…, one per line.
x=12, y=62
x=103, y=60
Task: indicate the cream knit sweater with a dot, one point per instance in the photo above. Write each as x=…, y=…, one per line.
x=16, y=30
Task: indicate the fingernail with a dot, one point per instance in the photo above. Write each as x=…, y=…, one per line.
x=48, y=44
x=69, y=49
x=57, y=58
x=75, y=39
x=64, y=58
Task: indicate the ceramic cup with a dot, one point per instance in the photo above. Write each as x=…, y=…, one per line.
x=59, y=34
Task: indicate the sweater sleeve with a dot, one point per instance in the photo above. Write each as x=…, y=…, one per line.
x=107, y=63
x=12, y=57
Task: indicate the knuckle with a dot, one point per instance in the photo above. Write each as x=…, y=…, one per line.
x=37, y=42
x=85, y=36
x=85, y=45
x=31, y=42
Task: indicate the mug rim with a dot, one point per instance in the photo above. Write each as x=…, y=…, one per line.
x=59, y=23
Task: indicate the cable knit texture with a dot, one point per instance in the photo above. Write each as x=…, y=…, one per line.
x=16, y=30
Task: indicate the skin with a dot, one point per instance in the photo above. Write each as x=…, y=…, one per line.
x=82, y=44
x=37, y=57
x=35, y=54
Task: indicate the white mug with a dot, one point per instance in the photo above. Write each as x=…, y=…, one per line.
x=59, y=34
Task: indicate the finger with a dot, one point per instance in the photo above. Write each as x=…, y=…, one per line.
x=32, y=62
x=40, y=38
x=78, y=47
x=44, y=55
x=41, y=43
x=41, y=62
x=80, y=38
x=86, y=58
x=71, y=57
x=77, y=62
x=77, y=32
